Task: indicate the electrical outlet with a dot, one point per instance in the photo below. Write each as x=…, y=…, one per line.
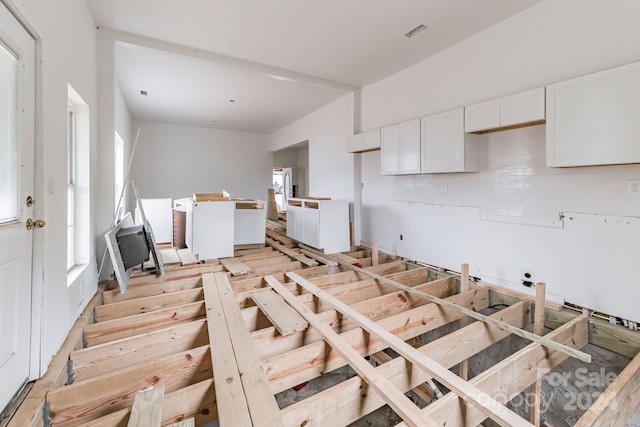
x=527, y=279
x=633, y=187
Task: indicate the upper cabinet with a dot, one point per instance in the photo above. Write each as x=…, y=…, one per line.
x=514, y=110
x=445, y=145
x=366, y=141
x=400, y=145
x=594, y=119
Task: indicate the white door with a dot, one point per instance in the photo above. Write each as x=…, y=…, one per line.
x=16, y=184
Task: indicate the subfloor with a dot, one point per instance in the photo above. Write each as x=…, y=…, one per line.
x=201, y=322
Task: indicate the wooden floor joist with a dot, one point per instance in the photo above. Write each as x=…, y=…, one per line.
x=169, y=331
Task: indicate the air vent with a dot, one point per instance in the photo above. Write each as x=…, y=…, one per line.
x=417, y=30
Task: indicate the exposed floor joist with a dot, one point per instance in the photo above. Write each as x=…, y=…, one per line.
x=158, y=333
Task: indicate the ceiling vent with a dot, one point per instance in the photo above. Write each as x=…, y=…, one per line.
x=417, y=30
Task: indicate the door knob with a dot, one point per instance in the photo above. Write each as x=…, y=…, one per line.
x=37, y=223
x=30, y=201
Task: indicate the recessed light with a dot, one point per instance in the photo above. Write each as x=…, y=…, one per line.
x=213, y=121
x=232, y=100
x=417, y=30
x=143, y=92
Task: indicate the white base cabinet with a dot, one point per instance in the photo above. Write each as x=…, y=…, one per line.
x=595, y=119
x=210, y=229
x=320, y=223
x=250, y=219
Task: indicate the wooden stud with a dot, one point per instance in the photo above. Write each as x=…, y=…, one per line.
x=538, y=329
x=272, y=212
x=464, y=287
x=147, y=408
x=319, y=258
x=469, y=393
x=181, y=273
x=394, y=397
x=284, y=318
x=374, y=253
x=585, y=357
x=189, y=422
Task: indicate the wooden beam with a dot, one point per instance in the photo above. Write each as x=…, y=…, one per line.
x=152, y=289
x=182, y=273
x=538, y=329
x=301, y=363
x=98, y=333
x=105, y=358
x=309, y=262
x=423, y=391
x=235, y=266
x=272, y=212
x=233, y=408
x=394, y=397
x=186, y=257
x=262, y=406
x=86, y=400
x=284, y=318
x=189, y=422
x=147, y=408
x=511, y=376
x=147, y=304
x=197, y=400
x=469, y=393
x=619, y=401
x=585, y=357
x=345, y=403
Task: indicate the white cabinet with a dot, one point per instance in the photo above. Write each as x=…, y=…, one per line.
x=210, y=228
x=521, y=108
x=595, y=119
x=400, y=146
x=371, y=139
x=320, y=222
x=294, y=219
x=445, y=145
x=483, y=116
x=366, y=141
x=250, y=218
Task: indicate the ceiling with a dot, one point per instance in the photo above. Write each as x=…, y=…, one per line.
x=278, y=60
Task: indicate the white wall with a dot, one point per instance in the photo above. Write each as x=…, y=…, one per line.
x=589, y=261
x=327, y=130
x=177, y=161
x=123, y=125
x=67, y=55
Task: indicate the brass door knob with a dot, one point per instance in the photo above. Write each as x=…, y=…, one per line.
x=37, y=223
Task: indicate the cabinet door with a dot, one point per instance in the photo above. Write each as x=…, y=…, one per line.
x=482, y=116
x=443, y=142
x=390, y=146
x=593, y=119
x=371, y=139
x=525, y=107
x=294, y=221
x=409, y=161
x=355, y=143
x=310, y=220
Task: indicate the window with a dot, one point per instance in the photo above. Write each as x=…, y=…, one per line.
x=8, y=134
x=71, y=179
x=118, y=175
x=78, y=186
